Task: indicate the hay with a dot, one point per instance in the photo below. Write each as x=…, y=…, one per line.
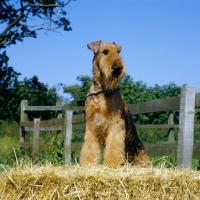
x=98, y=182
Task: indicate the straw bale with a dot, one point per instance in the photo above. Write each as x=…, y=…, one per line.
x=97, y=182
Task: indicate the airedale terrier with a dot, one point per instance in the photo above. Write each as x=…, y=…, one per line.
x=108, y=120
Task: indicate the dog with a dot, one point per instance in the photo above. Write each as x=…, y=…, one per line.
x=108, y=120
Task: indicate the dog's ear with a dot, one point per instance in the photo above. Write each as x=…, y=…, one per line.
x=94, y=46
x=120, y=48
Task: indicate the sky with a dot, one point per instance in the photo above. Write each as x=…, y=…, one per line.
x=160, y=42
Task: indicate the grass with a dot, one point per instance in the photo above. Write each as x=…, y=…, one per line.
x=9, y=146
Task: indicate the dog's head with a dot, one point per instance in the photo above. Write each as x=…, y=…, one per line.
x=108, y=67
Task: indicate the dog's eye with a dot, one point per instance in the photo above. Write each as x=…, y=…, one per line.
x=105, y=52
x=119, y=50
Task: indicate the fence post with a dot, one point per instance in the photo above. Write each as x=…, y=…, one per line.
x=68, y=136
x=59, y=113
x=186, y=127
x=23, y=117
x=36, y=133
x=171, y=130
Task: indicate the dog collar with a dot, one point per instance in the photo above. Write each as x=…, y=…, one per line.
x=103, y=91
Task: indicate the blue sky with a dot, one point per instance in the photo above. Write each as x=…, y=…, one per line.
x=160, y=42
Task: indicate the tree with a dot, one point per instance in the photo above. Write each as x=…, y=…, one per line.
x=79, y=92
x=8, y=78
x=127, y=86
x=13, y=91
x=19, y=16
x=17, y=19
x=133, y=92
x=34, y=91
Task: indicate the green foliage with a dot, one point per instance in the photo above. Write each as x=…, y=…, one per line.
x=170, y=162
x=78, y=137
x=133, y=92
x=7, y=129
x=153, y=135
x=12, y=92
x=79, y=92
x=11, y=155
x=35, y=92
x=197, y=129
x=17, y=15
x=136, y=92
x=164, y=161
x=8, y=78
x=55, y=154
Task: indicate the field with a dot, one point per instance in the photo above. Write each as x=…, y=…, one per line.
x=26, y=175
x=10, y=152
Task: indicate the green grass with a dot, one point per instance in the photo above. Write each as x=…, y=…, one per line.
x=11, y=154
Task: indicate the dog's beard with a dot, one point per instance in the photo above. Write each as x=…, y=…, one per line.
x=111, y=82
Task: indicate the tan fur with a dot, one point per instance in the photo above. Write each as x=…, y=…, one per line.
x=107, y=113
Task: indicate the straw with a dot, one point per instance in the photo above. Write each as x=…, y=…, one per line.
x=98, y=182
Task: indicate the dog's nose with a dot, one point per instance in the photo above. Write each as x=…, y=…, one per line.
x=116, y=71
x=116, y=68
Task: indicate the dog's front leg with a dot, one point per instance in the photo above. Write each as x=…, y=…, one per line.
x=90, y=152
x=114, y=150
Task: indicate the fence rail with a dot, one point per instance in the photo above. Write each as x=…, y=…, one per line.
x=77, y=122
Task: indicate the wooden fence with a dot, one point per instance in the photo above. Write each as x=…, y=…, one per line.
x=186, y=104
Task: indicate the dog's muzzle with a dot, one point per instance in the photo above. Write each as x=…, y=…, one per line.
x=116, y=71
